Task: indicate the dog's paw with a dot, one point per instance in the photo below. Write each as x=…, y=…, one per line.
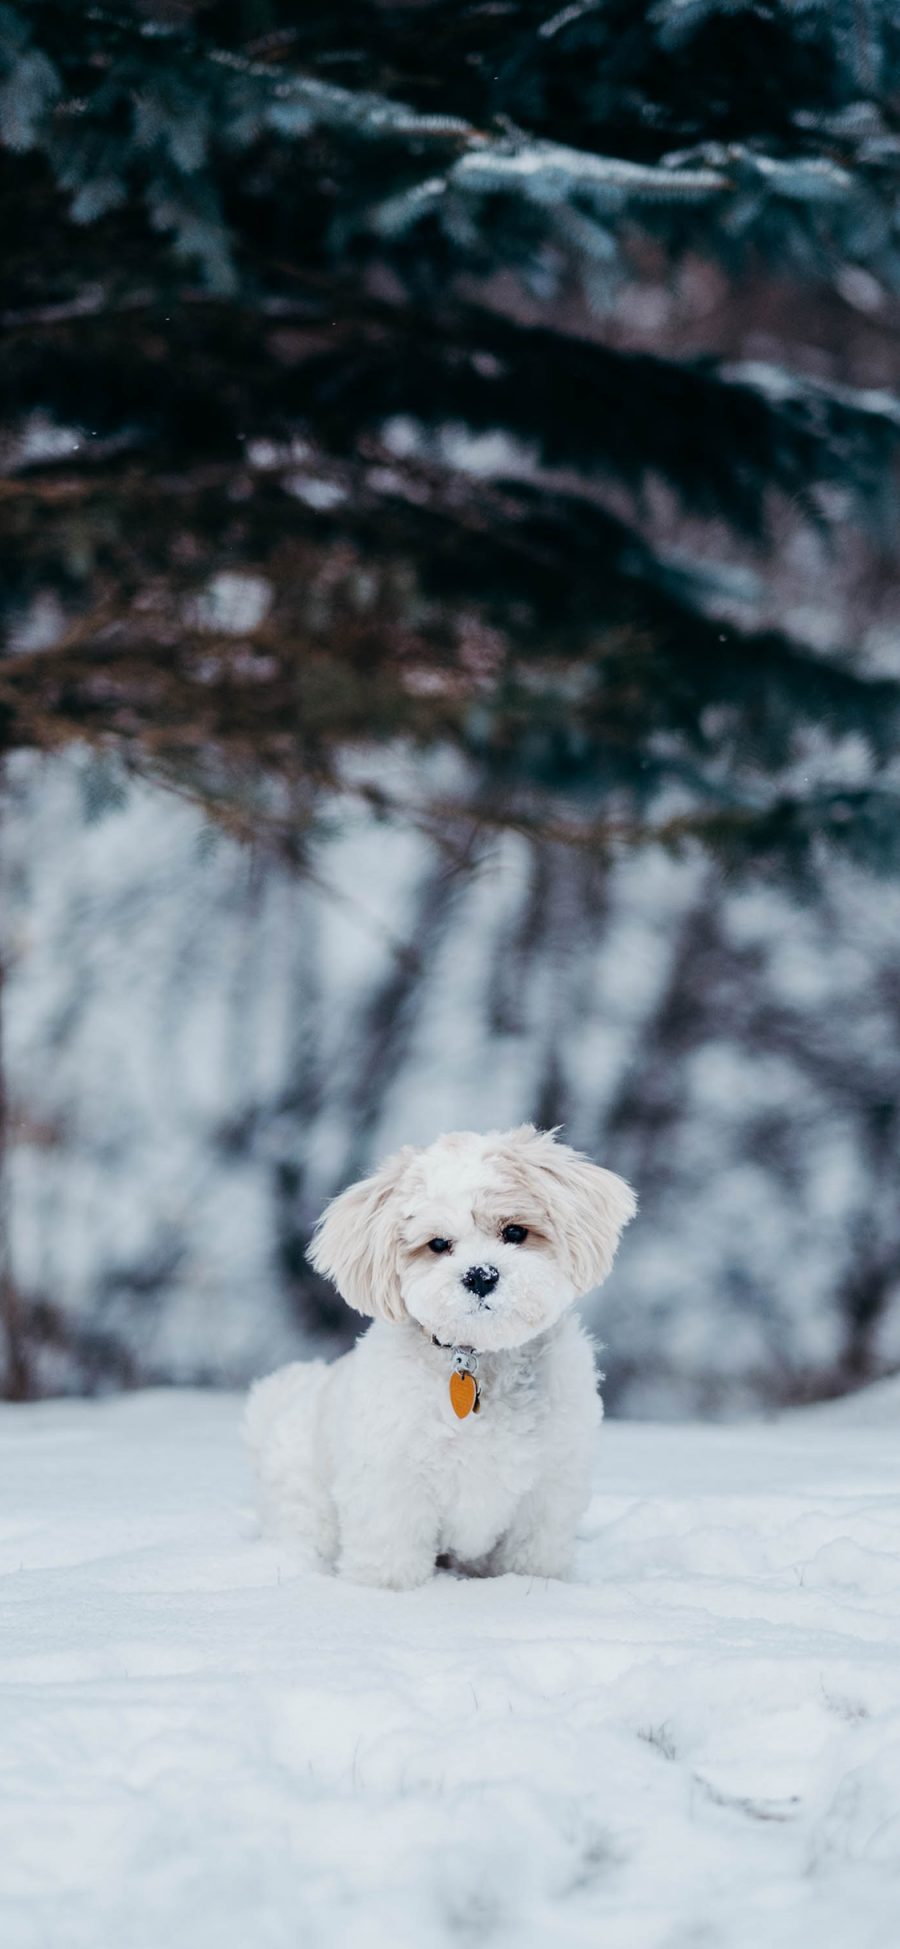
x=386, y=1576
x=531, y=1562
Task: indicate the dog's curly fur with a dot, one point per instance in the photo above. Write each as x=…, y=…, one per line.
x=364, y=1463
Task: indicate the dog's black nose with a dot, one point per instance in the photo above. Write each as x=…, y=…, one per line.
x=481, y=1279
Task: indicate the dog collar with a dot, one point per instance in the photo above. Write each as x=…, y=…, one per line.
x=465, y=1393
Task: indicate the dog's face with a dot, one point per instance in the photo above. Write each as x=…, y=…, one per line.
x=483, y=1239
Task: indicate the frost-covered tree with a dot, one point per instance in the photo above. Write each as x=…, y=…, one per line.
x=516, y=385
x=329, y=409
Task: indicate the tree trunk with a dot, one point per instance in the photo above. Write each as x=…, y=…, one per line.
x=14, y=1375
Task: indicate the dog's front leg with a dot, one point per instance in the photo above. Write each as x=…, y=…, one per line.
x=540, y=1541
x=388, y=1533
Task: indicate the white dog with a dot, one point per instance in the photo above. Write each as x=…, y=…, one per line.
x=462, y=1424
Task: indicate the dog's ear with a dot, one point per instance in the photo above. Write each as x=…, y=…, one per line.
x=357, y=1239
x=587, y=1207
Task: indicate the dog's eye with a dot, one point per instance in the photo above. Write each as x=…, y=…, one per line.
x=514, y=1234
x=439, y=1245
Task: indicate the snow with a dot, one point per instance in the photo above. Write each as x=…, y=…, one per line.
x=693, y=1745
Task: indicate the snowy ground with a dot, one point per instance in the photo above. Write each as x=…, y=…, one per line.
x=695, y=1745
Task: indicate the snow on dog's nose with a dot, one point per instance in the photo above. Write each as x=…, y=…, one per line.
x=480, y=1280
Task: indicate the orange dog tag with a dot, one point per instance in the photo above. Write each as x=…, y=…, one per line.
x=463, y=1394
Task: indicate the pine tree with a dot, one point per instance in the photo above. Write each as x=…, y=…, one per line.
x=327, y=415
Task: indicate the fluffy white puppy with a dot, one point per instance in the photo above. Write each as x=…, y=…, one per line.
x=461, y=1426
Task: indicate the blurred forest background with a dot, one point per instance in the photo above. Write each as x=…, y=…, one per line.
x=451, y=660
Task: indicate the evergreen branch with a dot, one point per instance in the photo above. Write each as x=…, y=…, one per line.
x=836, y=195
x=612, y=663
x=321, y=442
x=195, y=382
x=744, y=838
